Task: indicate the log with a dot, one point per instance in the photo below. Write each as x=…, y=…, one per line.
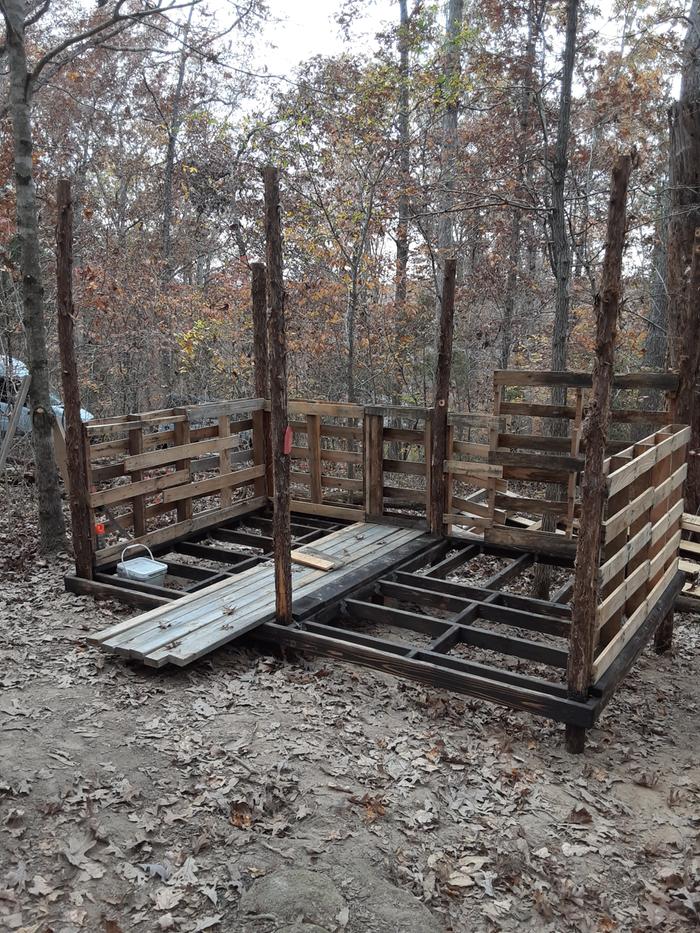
x=79, y=488
x=593, y=489
x=438, y=504
x=281, y=529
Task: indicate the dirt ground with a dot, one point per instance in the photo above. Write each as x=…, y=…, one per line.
x=250, y=793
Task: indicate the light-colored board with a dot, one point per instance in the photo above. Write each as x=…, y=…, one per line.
x=613, y=648
x=155, y=458
x=126, y=491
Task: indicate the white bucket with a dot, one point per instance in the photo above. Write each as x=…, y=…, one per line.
x=142, y=569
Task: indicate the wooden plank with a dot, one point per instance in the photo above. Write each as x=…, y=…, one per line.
x=205, y=487
x=374, y=465
x=412, y=467
x=313, y=430
x=536, y=542
x=425, y=668
x=317, y=561
x=223, y=408
x=333, y=409
x=327, y=510
x=518, y=459
x=665, y=381
x=622, y=593
x=690, y=522
x=181, y=530
x=610, y=652
x=626, y=474
x=626, y=516
x=138, y=504
x=126, y=491
x=405, y=435
x=620, y=559
x=161, y=457
x=473, y=468
x=99, y=590
x=20, y=399
x=224, y=430
x=533, y=410
x=514, y=503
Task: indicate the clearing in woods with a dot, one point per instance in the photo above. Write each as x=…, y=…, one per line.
x=250, y=793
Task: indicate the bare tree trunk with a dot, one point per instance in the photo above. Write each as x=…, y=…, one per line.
x=450, y=92
x=533, y=25
x=81, y=522
x=684, y=301
x=401, y=279
x=169, y=167
x=595, y=436
x=51, y=524
x=561, y=263
x=561, y=251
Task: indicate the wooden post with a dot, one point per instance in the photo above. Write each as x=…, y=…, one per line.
x=374, y=466
x=261, y=366
x=79, y=494
x=438, y=505
x=281, y=530
x=593, y=490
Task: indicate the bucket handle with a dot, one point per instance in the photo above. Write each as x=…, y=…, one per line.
x=130, y=546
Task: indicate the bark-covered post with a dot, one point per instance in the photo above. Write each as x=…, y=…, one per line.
x=281, y=530
x=595, y=433
x=439, y=453
x=261, y=366
x=75, y=447
x=51, y=524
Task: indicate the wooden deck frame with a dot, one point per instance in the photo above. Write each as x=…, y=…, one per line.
x=341, y=469
x=407, y=593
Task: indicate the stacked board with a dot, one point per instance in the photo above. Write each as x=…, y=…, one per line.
x=188, y=628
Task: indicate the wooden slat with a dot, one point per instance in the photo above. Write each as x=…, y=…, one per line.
x=513, y=503
x=646, y=461
x=221, y=408
x=313, y=430
x=517, y=459
x=182, y=452
x=183, y=529
x=326, y=510
x=536, y=542
x=626, y=516
x=610, y=652
x=412, y=467
x=304, y=407
x=473, y=468
x=620, y=559
x=205, y=487
x=127, y=491
x=20, y=399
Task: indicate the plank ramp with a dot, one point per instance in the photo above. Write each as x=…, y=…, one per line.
x=188, y=628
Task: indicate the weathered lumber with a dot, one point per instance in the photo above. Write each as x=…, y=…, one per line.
x=20, y=399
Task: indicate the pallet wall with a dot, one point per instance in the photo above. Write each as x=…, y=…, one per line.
x=160, y=475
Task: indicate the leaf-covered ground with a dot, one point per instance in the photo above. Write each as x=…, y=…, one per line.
x=251, y=793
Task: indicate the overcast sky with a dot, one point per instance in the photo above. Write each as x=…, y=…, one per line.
x=299, y=29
